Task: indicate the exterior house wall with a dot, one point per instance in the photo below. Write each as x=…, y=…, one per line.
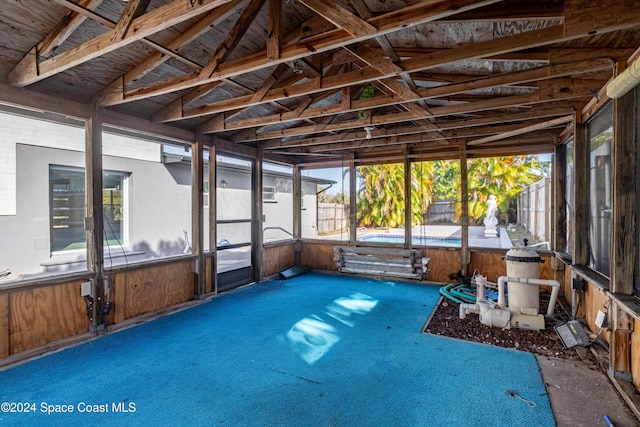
x=152, y=227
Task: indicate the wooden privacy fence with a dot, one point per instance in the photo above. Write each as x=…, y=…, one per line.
x=332, y=218
x=534, y=204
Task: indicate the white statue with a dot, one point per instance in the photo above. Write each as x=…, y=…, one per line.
x=490, y=220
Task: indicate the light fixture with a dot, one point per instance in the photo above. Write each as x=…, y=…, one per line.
x=223, y=184
x=368, y=130
x=297, y=68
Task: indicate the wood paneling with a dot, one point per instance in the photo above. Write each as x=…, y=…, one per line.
x=568, y=283
x=277, y=258
x=208, y=275
x=594, y=300
x=442, y=263
x=318, y=256
x=45, y=314
x=151, y=288
x=4, y=325
x=635, y=350
x=489, y=264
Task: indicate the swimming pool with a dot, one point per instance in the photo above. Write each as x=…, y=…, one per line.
x=415, y=240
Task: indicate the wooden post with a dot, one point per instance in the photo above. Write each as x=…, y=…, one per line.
x=213, y=216
x=464, y=206
x=624, y=195
x=353, y=224
x=257, y=250
x=581, y=196
x=197, y=212
x=624, y=252
x=94, y=222
x=407, y=201
x=558, y=228
x=297, y=210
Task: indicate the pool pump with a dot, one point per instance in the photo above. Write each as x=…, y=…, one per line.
x=523, y=290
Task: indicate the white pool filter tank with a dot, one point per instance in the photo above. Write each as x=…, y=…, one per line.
x=523, y=298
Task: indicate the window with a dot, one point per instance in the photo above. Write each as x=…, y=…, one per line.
x=436, y=203
x=600, y=134
x=67, y=208
x=325, y=203
x=277, y=202
x=380, y=203
x=509, y=200
x=269, y=194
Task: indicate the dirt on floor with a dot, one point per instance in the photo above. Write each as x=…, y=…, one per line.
x=446, y=321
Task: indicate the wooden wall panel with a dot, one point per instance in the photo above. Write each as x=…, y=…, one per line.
x=208, y=275
x=635, y=354
x=151, y=288
x=489, y=264
x=594, y=300
x=443, y=262
x=277, y=258
x=318, y=256
x=568, y=283
x=4, y=325
x=45, y=314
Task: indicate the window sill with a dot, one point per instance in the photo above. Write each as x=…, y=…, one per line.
x=67, y=260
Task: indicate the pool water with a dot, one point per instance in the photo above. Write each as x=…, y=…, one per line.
x=415, y=240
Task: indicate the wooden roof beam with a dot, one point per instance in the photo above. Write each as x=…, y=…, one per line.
x=69, y=23
x=549, y=71
x=523, y=130
x=157, y=58
x=549, y=92
x=31, y=70
x=351, y=140
x=458, y=127
x=233, y=38
x=543, y=11
x=392, y=21
x=132, y=10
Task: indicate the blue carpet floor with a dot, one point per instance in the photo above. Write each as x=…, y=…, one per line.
x=316, y=350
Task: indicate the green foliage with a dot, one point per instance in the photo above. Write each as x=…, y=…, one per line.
x=381, y=192
x=503, y=177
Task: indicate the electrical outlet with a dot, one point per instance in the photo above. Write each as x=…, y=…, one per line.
x=86, y=289
x=602, y=320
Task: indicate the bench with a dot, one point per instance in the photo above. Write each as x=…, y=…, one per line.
x=404, y=263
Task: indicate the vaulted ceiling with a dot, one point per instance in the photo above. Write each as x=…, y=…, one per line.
x=318, y=80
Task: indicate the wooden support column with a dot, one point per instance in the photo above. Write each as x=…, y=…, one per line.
x=581, y=196
x=213, y=217
x=464, y=206
x=94, y=221
x=558, y=204
x=624, y=233
x=407, y=201
x=624, y=213
x=257, y=258
x=197, y=212
x=297, y=206
x=353, y=224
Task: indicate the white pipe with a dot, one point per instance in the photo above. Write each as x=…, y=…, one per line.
x=473, y=308
x=540, y=282
x=626, y=81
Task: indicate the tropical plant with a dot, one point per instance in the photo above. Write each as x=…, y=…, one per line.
x=503, y=177
x=381, y=194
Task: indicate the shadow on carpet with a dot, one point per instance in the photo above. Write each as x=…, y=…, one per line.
x=316, y=350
